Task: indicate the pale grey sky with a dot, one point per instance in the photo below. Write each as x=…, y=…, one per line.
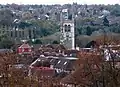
x=60, y=1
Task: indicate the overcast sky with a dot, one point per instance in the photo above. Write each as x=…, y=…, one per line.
x=60, y=1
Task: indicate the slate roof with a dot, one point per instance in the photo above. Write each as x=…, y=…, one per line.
x=63, y=63
x=41, y=63
x=53, y=46
x=5, y=50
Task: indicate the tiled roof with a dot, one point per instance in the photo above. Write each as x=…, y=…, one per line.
x=25, y=46
x=43, y=71
x=42, y=62
x=53, y=46
x=42, y=68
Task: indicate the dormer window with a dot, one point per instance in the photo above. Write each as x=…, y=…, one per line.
x=39, y=60
x=58, y=62
x=65, y=63
x=51, y=60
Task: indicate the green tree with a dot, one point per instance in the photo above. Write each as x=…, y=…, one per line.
x=88, y=31
x=38, y=41
x=6, y=17
x=55, y=42
x=5, y=42
x=45, y=27
x=116, y=10
x=105, y=21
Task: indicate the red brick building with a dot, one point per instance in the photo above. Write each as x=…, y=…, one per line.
x=25, y=49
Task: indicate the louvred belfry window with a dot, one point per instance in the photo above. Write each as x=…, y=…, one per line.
x=65, y=28
x=69, y=27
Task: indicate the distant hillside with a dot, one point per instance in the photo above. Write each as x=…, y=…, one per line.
x=51, y=38
x=82, y=40
x=46, y=18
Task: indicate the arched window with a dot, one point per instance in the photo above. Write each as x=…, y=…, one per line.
x=23, y=33
x=20, y=34
x=29, y=32
x=3, y=31
x=65, y=28
x=11, y=33
x=34, y=34
x=16, y=33
x=69, y=28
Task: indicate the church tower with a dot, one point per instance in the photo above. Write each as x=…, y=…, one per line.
x=67, y=30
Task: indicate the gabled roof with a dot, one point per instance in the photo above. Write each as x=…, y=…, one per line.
x=43, y=68
x=63, y=63
x=5, y=50
x=25, y=46
x=53, y=46
x=60, y=47
x=77, y=77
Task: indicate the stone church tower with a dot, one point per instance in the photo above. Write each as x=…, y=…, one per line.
x=67, y=30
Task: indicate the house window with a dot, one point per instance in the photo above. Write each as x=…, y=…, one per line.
x=62, y=30
x=3, y=26
x=15, y=33
x=11, y=34
x=3, y=31
x=39, y=60
x=26, y=50
x=7, y=32
x=30, y=50
x=34, y=34
x=30, y=36
x=67, y=36
x=22, y=50
x=22, y=33
x=51, y=60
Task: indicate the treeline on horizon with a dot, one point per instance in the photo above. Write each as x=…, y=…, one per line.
x=87, y=22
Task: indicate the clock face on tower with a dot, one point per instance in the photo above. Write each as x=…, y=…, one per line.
x=68, y=35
